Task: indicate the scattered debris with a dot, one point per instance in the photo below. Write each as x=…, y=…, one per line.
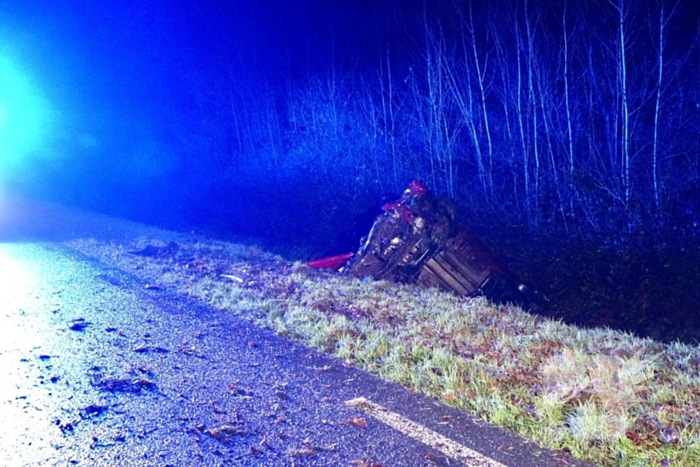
x=332, y=262
x=239, y=391
x=191, y=351
x=225, y=433
x=67, y=427
x=359, y=422
x=300, y=452
x=79, y=324
x=92, y=410
x=152, y=251
x=150, y=349
x=240, y=278
x=329, y=448
x=99, y=443
x=139, y=369
x=128, y=385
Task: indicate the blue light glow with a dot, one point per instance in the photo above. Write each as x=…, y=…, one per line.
x=24, y=116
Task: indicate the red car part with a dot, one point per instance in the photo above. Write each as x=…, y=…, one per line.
x=332, y=262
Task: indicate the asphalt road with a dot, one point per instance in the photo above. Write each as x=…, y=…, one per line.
x=97, y=370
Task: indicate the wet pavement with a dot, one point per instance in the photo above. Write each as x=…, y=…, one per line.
x=99, y=370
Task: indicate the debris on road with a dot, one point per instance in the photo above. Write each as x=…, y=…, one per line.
x=79, y=324
x=359, y=422
x=128, y=385
x=92, y=410
x=226, y=432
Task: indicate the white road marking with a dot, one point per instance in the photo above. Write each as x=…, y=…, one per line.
x=425, y=435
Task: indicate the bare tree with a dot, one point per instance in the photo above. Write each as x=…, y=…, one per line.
x=620, y=7
x=481, y=83
x=664, y=18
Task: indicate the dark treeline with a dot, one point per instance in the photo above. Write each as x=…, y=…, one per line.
x=565, y=117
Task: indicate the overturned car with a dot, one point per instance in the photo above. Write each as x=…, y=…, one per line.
x=420, y=238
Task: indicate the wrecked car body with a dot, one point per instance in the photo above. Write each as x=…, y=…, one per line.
x=421, y=239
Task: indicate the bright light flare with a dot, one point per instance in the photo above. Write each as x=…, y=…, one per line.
x=24, y=116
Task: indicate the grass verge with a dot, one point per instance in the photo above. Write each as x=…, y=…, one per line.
x=604, y=396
